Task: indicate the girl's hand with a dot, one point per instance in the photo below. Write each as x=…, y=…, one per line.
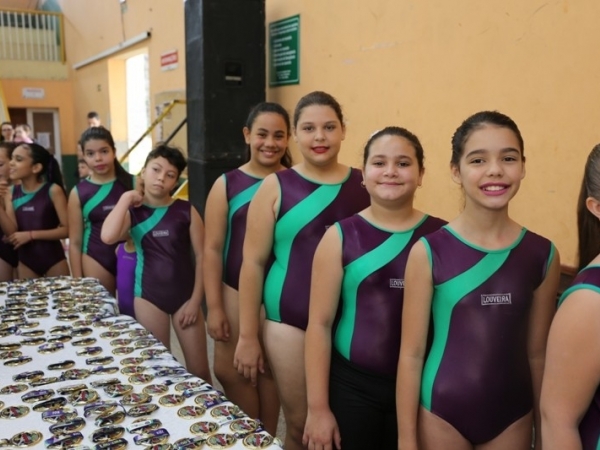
x=20, y=238
x=248, y=359
x=217, y=324
x=136, y=197
x=189, y=313
x=321, y=431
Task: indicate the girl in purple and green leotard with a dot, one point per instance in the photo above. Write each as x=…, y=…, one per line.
x=571, y=387
x=35, y=219
x=89, y=204
x=359, y=269
x=491, y=286
x=169, y=238
x=267, y=133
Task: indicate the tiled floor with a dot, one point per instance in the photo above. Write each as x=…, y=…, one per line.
x=176, y=350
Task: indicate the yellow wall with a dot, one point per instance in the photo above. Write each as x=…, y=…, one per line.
x=58, y=94
x=428, y=65
x=93, y=27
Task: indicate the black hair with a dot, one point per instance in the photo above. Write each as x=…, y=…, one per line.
x=276, y=108
x=588, y=225
x=318, y=98
x=93, y=115
x=477, y=121
x=171, y=154
x=50, y=168
x=400, y=132
x=102, y=134
x=9, y=146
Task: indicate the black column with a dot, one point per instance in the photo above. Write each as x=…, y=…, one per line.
x=225, y=78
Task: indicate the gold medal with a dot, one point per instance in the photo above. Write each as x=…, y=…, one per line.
x=143, y=426
x=132, y=361
x=43, y=381
x=10, y=346
x=204, y=428
x=59, y=338
x=83, y=397
x=257, y=441
x=118, y=390
x=28, y=325
x=171, y=400
x=103, y=370
x=152, y=352
x=14, y=412
x=51, y=348
x=13, y=389
x=18, y=361
x=84, y=342
x=142, y=410
x=132, y=370
x=135, y=399
x=145, y=342
x=67, y=427
x=89, y=351
x=110, y=334
x=101, y=360
x=33, y=341
x=189, y=443
x=243, y=426
x=191, y=412
x=26, y=439
x=68, y=390
x=155, y=389
x=109, y=418
x=140, y=332
x=106, y=434
x=62, y=365
x=38, y=314
x=83, y=323
x=81, y=331
x=184, y=385
x=59, y=329
x=53, y=403
x=75, y=374
x=59, y=415
x=225, y=410
x=10, y=354
x=220, y=440
x=141, y=378
x=117, y=444
x=123, y=350
x=33, y=333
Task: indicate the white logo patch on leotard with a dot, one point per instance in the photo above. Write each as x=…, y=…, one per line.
x=397, y=283
x=108, y=207
x=160, y=233
x=496, y=299
x=28, y=209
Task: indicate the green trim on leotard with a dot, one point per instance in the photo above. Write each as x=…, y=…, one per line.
x=92, y=203
x=236, y=202
x=577, y=287
x=455, y=289
x=17, y=203
x=356, y=272
x=137, y=234
x=292, y=223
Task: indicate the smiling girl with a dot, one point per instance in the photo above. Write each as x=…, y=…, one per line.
x=35, y=219
x=359, y=265
x=267, y=134
x=491, y=286
x=287, y=217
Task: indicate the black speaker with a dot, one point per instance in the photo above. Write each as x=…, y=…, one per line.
x=225, y=78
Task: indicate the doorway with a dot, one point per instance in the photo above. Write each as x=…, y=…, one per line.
x=44, y=124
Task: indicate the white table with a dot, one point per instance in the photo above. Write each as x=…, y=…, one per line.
x=83, y=306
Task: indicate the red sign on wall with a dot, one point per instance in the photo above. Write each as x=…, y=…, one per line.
x=169, y=60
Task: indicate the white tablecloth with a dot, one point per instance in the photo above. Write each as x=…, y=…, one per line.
x=79, y=301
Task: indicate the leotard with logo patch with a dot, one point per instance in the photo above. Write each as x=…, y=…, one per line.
x=164, y=274
x=374, y=260
x=477, y=375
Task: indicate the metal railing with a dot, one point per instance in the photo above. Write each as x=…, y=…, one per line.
x=31, y=35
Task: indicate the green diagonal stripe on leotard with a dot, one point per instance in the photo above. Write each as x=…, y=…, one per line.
x=354, y=274
x=17, y=203
x=96, y=199
x=137, y=233
x=455, y=289
x=235, y=204
x=291, y=224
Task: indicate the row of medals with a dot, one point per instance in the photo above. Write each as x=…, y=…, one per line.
x=84, y=305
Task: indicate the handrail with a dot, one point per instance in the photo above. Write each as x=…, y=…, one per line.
x=153, y=125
